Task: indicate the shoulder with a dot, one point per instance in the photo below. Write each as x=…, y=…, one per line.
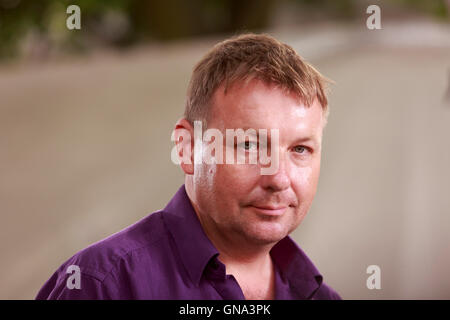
x=101, y=257
x=325, y=292
x=99, y=264
x=104, y=255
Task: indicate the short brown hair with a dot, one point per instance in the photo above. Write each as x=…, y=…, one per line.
x=252, y=56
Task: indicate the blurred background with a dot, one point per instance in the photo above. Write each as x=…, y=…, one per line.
x=86, y=118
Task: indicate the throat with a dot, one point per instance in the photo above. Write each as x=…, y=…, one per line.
x=256, y=284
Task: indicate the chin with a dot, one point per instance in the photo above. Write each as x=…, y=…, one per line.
x=263, y=241
x=267, y=234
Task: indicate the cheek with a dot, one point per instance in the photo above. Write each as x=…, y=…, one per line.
x=237, y=180
x=205, y=175
x=305, y=181
x=304, y=185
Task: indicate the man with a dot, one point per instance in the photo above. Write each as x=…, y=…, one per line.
x=224, y=235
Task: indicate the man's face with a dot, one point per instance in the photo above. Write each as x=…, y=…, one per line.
x=231, y=198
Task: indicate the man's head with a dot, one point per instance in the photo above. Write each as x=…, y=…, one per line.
x=254, y=81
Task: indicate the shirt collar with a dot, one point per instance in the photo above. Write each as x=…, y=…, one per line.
x=194, y=247
x=196, y=250
x=296, y=268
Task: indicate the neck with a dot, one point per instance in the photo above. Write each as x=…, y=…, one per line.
x=246, y=264
x=251, y=266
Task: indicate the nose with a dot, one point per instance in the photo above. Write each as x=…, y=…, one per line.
x=280, y=179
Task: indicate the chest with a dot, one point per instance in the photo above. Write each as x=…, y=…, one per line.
x=259, y=293
x=258, y=289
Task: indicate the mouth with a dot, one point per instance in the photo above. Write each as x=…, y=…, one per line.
x=269, y=210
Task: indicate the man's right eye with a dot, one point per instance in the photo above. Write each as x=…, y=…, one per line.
x=249, y=145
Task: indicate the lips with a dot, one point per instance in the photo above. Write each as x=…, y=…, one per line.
x=271, y=210
x=269, y=207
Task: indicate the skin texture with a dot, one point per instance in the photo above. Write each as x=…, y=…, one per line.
x=224, y=196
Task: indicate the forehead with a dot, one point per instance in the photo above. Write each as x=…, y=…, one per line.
x=259, y=105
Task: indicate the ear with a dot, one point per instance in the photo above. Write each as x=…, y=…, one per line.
x=184, y=140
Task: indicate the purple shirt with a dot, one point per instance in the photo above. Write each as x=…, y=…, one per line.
x=167, y=255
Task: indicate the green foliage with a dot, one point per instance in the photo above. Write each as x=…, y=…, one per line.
x=436, y=8
x=21, y=17
x=123, y=22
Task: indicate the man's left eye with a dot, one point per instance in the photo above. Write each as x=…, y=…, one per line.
x=300, y=149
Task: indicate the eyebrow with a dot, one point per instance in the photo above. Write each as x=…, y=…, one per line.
x=308, y=138
x=256, y=134
x=311, y=138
